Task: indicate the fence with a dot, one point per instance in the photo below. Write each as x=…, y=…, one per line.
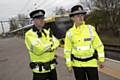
x=4, y=26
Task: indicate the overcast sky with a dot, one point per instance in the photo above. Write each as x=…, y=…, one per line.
x=10, y=8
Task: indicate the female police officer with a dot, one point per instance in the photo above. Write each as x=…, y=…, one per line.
x=41, y=45
x=81, y=41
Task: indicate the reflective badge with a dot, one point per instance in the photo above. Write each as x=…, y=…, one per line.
x=87, y=39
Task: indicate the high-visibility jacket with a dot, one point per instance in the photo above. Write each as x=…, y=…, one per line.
x=82, y=43
x=39, y=47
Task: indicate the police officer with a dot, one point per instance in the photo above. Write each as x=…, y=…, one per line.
x=81, y=41
x=41, y=45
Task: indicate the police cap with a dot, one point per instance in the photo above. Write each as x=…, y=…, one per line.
x=77, y=9
x=37, y=14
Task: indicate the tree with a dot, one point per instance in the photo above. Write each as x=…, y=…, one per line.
x=13, y=24
x=110, y=10
x=61, y=11
x=22, y=20
x=89, y=4
x=105, y=14
x=17, y=22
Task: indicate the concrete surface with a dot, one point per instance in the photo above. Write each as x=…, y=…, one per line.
x=14, y=62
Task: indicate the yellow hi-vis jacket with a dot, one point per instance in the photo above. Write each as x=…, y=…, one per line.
x=38, y=48
x=82, y=43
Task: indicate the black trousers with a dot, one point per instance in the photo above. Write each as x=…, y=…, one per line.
x=45, y=76
x=86, y=73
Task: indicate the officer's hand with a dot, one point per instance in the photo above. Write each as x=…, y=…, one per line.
x=69, y=69
x=48, y=47
x=101, y=65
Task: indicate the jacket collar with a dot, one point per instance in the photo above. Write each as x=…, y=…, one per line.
x=35, y=29
x=80, y=26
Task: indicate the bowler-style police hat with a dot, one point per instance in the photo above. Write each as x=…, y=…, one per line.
x=77, y=9
x=37, y=14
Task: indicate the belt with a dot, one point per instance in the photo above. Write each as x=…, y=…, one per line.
x=94, y=56
x=42, y=66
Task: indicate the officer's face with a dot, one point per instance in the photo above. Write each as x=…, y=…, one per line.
x=78, y=19
x=38, y=21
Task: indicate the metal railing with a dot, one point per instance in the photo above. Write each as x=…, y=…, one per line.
x=112, y=47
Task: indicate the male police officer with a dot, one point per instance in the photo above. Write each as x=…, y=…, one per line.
x=81, y=41
x=41, y=45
